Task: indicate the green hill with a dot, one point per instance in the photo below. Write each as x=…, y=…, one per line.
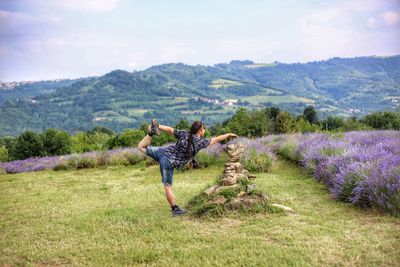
x=122, y=99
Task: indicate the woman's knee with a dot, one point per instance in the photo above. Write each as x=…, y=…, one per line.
x=167, y=187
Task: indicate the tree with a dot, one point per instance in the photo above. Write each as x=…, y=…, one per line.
x=284, y=122
x=303, y=126
x=352, y=124
x=29, y=144
x=9, y=143
x=101, y=129
x=3, y=154
x=258, y=124
x=56, y=142
x=332, y=123
x=239, y=123
x=272, y=112
x=310, y=114
x=382, y=120
x=183, y=124
x=128, y=138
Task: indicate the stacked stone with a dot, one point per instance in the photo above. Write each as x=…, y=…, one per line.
x=232, y=175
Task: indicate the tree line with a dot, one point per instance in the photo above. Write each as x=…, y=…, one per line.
x=249, y=123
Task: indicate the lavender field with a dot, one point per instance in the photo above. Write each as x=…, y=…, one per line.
x=358, y=167
x=108, y=208
x=361, y=167
x=122, y=156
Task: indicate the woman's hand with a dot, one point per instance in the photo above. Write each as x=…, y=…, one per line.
x=222, y=138
x=232, y=135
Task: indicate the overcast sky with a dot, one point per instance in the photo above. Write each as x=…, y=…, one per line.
x=76, y=38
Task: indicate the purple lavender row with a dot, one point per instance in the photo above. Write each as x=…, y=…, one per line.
x=43, y=163
x=358, y=167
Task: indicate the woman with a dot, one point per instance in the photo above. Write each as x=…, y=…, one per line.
x=177, y=155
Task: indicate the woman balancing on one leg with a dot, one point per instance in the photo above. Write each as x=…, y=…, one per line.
x=177, y=155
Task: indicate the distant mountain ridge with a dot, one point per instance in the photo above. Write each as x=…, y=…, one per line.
x=121, y=99
x=13, y=90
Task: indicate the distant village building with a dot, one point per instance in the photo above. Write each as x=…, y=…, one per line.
x=227, y=102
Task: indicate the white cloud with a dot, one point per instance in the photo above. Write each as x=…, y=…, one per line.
x=90, y=5
x=363, y=5
x=385, y=19
x=19, y=24
x=326, y=33
x=372, y=23
x=391, y=17
x=334, y=30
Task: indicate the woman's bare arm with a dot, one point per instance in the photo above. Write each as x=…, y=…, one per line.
x=167, y=129
x=222, y=137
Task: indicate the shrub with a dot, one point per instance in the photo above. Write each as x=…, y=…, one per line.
x=230, y=193
x=29, y=144
x=3, y=154
x=382, y=187
x=56, y=142
x=119, y=159
x=198, y=206
x=358, y=167
x=72, y=162
x=288, y=150
x=103, y=159
x=85, y=162
x=133, y=158
x=205, y=159
x=257, y=162
x=61, y=165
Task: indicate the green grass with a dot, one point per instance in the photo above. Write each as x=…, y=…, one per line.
x=106, y=113
x=223, y=83
x=119, y=216
x=276, y=99
x=136, y=111
x=169, y=100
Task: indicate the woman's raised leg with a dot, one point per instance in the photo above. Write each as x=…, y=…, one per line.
x=146, y=141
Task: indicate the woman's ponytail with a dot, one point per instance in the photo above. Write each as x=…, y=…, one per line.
x=194, y=129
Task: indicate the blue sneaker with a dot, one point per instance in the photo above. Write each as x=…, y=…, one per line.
x=178, y=211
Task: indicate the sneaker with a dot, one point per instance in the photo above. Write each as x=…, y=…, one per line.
x=178, y=211
x=153, y=129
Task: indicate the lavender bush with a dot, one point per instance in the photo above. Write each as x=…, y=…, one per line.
x=358, y=167
x=257, y=156
x=121, y=156
x=209, y=155
x=29, y=165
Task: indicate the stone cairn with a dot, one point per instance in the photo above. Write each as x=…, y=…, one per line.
x=233, y=174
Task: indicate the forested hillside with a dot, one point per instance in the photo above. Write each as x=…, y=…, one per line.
x=122, y=99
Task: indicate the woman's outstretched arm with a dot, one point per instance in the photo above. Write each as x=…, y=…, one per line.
x=222, y=137
x=167, y=129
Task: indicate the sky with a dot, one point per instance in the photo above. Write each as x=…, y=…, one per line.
x=50, y=39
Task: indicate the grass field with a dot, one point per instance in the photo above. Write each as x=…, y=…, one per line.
x=276, y=99
x=223, y=83
x=119, y=216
